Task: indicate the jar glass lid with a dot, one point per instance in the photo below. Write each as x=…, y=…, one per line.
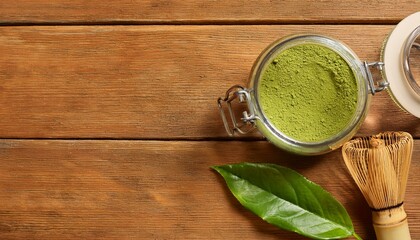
x=411, y=60
x=401, y=56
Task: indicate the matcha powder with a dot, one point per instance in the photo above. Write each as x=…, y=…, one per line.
x=308, y=92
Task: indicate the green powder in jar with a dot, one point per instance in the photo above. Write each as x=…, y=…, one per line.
x=308, y=92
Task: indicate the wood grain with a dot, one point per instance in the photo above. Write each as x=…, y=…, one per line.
x=148, y=82
x=190, y=11
x=130, y=88
x=155, y=190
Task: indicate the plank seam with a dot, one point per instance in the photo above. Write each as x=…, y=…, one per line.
x=196, y=22
x=227, y=139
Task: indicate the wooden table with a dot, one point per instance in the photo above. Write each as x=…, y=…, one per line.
x=109, y=124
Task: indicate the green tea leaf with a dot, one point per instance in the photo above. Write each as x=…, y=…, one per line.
x=287, y=200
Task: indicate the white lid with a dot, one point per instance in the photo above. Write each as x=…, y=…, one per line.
x=393, y=57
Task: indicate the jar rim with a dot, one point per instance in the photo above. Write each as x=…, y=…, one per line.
x=282, y=140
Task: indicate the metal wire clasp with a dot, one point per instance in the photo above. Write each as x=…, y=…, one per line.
x=382, y=84
x=248, y=118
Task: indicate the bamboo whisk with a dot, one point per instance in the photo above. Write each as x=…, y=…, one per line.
x=379, y=165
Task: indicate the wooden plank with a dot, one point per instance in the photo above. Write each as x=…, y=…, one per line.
x=148, y=82
x=156, y=190
x=190, y=11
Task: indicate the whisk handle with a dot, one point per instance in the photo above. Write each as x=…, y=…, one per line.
x=398, y=231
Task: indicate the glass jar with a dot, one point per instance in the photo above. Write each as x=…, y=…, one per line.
x=255, y=117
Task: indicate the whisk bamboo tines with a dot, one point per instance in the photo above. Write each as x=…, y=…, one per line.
x=379, y=165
